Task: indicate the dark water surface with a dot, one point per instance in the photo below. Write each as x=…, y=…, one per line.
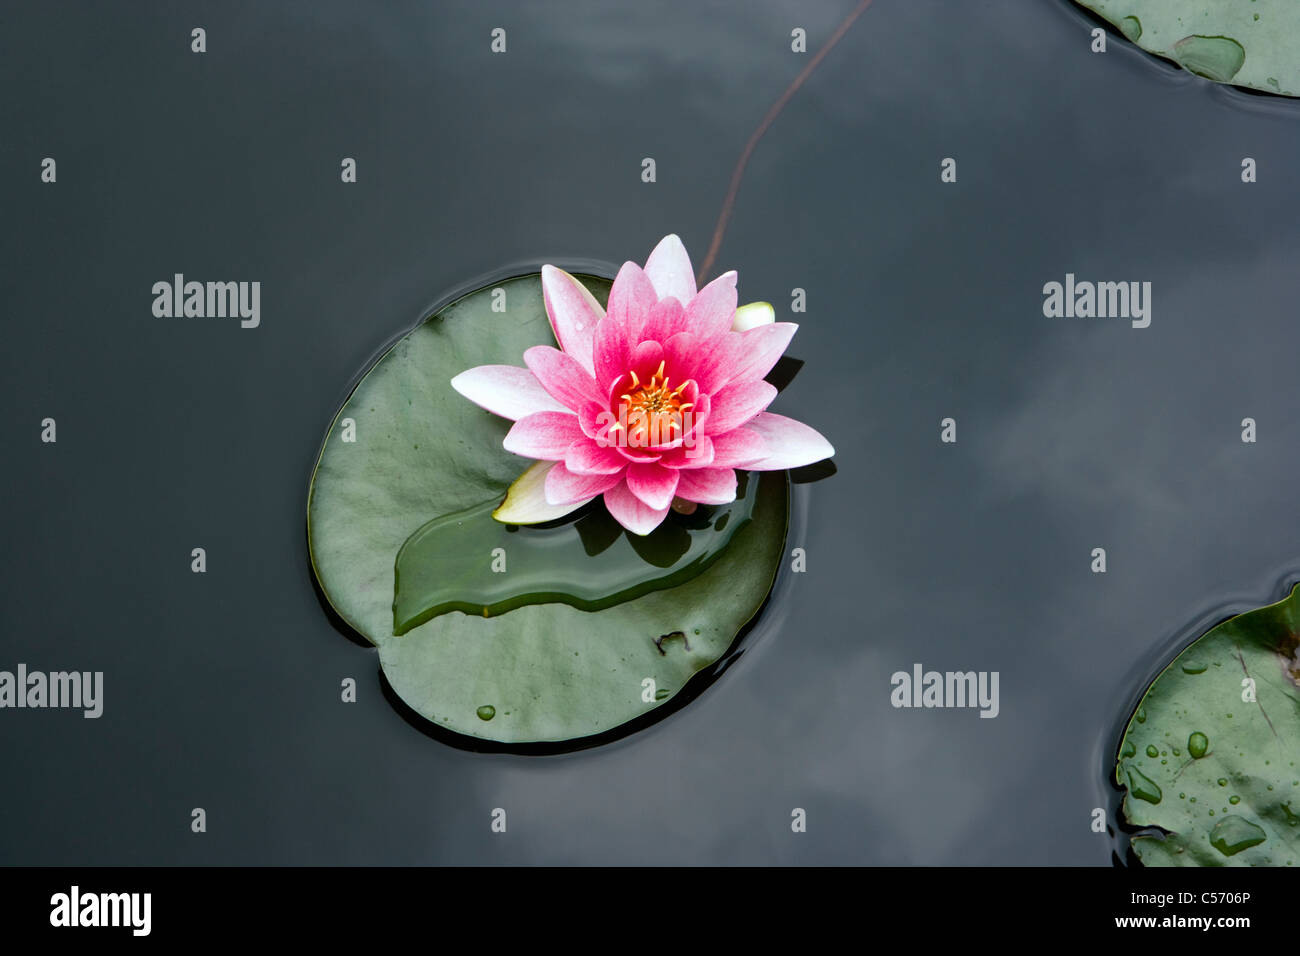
x=924, y=301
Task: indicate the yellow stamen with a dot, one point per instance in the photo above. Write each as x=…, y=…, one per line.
x=651, y=411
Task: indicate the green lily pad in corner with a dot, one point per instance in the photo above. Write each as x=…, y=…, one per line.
x=542, y=672
x=1211, y=754
x=1251, y=43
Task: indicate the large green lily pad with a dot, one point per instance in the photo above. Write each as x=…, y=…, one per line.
x=1252, y=43
x=1211, y=753
x=544, y=672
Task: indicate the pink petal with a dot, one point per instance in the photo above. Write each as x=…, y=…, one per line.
x=505, y=390
x=713, y=309
x=681, y=354
x=716, y=359
x=545, y=435
x=573, y=312
x=669, y=270
x=667, y=318
x=564, y=486
x=585, y=457
x=562, y=376
x=696, y=455
x=790, y=444
x=595, y=420
x=645, y=359
x=630, y=511
x=761, y=348
x=708, y=486
x=737, y=448
x=653, y=484
x=635, y=454
x=631, y=298
x=526, y=500
x=737, y=403
x=741, y=356
x=694, y=420
x=610, y=352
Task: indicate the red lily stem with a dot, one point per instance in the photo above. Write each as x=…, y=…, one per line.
x=725, y=215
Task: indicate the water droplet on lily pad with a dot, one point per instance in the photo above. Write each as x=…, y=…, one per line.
x=1194, y=667
x=1152, y=751
x=1198, y=744
x=1142, y=786
x=1215, y=58
x=486, y=712
x=1233, y=834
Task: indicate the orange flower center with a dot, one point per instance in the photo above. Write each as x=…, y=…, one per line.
x=653, y=410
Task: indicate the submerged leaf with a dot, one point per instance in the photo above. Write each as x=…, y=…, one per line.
x=473, y=563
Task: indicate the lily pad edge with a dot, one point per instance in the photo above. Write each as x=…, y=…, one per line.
x=519, y=270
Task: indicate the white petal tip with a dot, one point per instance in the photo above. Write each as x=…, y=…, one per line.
x=461, y=383
x=526, y=499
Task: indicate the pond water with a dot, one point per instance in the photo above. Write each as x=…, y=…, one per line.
x=924, y=302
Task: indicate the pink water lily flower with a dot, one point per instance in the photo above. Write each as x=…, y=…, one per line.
x=650, y=403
